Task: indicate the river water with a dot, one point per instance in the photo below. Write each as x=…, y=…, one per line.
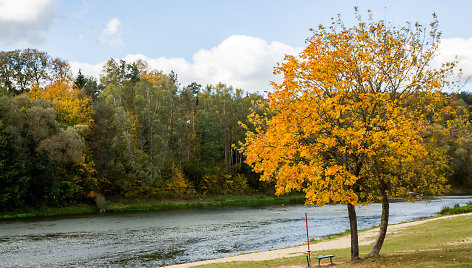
x=163, y=238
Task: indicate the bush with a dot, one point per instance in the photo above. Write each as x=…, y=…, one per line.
x=178, y=186
x=225, y=184
x=456, y=209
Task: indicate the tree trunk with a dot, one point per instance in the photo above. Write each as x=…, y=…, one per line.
x=375, y=250
x=354, y=237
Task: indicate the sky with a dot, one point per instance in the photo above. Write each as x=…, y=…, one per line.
x=236, y=42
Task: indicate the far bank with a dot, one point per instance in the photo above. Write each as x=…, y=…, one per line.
x=136, y=205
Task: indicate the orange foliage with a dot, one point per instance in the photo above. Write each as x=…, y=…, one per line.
x=154, y=78
x=72, y=105
x=351, y=117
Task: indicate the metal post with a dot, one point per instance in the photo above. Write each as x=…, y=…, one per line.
x=307, y=240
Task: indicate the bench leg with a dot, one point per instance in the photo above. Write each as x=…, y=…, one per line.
x=319, y=264
x=331, y=260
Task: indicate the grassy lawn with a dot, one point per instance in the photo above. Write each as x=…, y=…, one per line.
x=440, y=243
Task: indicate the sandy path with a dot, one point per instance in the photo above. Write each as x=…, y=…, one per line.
x=365, y=238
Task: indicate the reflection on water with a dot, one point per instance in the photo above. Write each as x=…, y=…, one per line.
x=162, y=238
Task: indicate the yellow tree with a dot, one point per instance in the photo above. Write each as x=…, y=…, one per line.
x=351, y=117
x=72, y=104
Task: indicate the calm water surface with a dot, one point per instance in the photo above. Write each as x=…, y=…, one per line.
x=163, y=238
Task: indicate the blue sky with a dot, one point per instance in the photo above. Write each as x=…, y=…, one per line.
x=235, y=42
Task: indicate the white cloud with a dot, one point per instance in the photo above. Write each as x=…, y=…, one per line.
x=111, y=34
x=86, y=68
x=247, y=62
x=461, y=48
x=25, y=22
x=112, y=27
x=241, y=61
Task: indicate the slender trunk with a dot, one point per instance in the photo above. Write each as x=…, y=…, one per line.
x=125, y=133
x=354, y=237
x=231, y=162
x=375, y=250
x=224, y=134
x=351, y=209
x=151, y=148
x=151, y=151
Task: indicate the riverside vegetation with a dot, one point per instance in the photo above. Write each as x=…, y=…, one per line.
x=456, y=209
x=134, y=205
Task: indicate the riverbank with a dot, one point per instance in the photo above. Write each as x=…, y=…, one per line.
x=132, y=205
x=444, y=240
x=158, y=205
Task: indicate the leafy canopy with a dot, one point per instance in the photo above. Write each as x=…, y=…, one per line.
x=353, y=114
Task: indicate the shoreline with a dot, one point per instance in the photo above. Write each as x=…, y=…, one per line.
x=148, y=205
x=366, y=237
x=130, y=206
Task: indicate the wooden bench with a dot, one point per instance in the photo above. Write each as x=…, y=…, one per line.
x=324, y=257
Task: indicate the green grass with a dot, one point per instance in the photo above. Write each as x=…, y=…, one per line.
x=228, y=201
x=456, y=209
x=50, y=211
x=121, y=206
x=440, y=243
x=331, y=237
x=256, y=264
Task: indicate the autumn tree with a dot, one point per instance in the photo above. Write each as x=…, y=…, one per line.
x=353, y=119
x=73, y=106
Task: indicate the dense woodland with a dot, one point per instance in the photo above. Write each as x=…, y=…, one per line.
x=134, y=133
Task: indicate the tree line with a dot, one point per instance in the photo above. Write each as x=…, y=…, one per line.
x=134, y=133
x=138, y=132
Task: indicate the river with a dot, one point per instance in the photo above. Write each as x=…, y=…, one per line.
x=177, y=236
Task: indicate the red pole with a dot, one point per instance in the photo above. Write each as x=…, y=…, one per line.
x=307, y=239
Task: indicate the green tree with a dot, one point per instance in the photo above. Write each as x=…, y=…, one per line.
x=20, y=69
x=80, y=80
x=38, y=151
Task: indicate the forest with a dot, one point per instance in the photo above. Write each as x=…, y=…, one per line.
x=137, y=132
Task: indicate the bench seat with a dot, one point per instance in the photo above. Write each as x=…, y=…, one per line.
x=324, y=257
